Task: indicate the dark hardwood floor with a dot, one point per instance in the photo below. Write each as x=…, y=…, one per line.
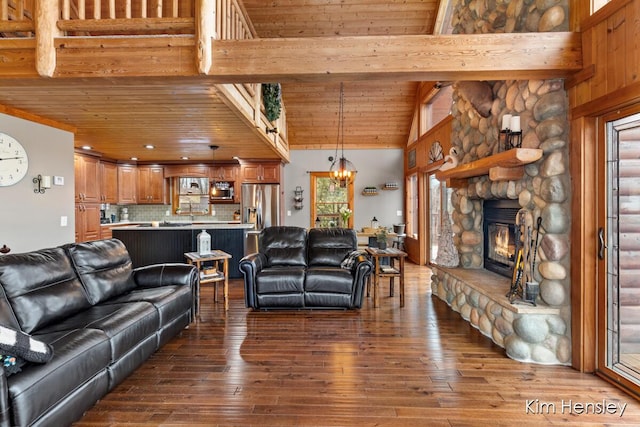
x=421, y=365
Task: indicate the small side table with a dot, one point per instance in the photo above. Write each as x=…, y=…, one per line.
x=390, y=271
x=219, y=272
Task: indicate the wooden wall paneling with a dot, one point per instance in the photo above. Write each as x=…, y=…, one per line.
x=599, y=81
x=583, y=163
x=632, y=55
x=616, y=44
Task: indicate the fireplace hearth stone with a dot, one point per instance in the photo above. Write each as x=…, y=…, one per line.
x=527, y=333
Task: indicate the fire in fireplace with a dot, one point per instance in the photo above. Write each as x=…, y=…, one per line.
x=499, y=229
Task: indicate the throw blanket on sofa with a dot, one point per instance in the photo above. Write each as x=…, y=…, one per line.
x=16, y=348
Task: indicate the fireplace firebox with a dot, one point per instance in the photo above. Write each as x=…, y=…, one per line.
x=499, y=229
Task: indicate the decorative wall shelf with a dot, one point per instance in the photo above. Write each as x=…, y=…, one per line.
x=504, y=166
x=390, y=186
x=369, y=191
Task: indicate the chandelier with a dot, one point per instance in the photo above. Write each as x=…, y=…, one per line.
x=342, y=171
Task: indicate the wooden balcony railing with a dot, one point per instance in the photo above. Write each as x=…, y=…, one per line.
x=16, y=18
x=85, y=26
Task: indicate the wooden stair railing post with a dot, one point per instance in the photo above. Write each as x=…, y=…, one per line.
x=205, y=32
x=46, y=19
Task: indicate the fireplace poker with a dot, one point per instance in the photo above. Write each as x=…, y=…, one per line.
x=535, y=247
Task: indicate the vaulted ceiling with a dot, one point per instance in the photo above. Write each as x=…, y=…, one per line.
x=377, y=114
x=183, y=116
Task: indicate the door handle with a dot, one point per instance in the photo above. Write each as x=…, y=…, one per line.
x=603, y=246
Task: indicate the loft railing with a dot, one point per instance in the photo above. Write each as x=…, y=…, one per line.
x=202, y=20
x=16, y=18
x=227, y=18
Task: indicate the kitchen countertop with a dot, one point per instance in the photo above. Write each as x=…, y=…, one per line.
x=179, y=225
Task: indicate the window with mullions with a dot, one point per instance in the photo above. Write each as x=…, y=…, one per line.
x=327, y=199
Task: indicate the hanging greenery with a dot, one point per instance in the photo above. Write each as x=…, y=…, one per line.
x=272, y=100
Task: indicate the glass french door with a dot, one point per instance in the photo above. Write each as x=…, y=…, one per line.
x=619, y=252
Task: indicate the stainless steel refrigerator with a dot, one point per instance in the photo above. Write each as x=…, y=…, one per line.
x=261, y=207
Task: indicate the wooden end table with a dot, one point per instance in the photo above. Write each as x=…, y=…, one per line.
x=391, y=271
x=218, y=272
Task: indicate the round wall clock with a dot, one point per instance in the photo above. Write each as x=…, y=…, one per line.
x=13, y=160
x=435, y=153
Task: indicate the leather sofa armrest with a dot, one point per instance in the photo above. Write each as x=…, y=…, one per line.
x=5, y=417
x=156, y=275
x=360, y=271
x=250, y=266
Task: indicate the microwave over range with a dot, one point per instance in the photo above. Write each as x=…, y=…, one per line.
x=221, y=191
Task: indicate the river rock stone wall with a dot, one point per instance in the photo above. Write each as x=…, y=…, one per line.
x=545, y=189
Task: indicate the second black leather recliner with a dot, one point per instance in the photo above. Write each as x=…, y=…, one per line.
x=295, y=268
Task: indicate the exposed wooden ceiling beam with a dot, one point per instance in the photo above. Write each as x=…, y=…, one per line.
x=408, y=58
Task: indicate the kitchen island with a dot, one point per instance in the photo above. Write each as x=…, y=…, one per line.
x=168, y=242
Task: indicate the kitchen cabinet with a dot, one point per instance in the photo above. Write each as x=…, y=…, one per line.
x=151, y=185
x=87, y=222
x=108, y=182
x=224, y=172
x=190, y=171
x=266, y=172
x=106, y=233
x=87, y=178
x=127, y=185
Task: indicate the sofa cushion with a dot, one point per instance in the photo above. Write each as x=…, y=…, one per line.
x=79, y=355
x=329, y=246
x=170, y=301
x=328, y=279
x=283, y=245
x=104, y=268
x=125, y=324
x=41, y=288
x=280, y=280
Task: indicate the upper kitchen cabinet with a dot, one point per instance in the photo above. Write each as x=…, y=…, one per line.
x=127, y=185
x=108, y=182
x=151, y=185
x=224, y=172
x=193, y=171
x=263, y=172
x=87, y=178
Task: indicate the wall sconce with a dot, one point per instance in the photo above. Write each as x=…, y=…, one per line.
x=43, y=183
x=510, y=133
x=297, y=198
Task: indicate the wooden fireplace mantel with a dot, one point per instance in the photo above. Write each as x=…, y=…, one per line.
x=505, y=166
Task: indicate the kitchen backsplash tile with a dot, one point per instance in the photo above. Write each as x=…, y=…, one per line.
x=223, y=212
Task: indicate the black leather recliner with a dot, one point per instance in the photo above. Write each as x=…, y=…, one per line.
x=296, y=269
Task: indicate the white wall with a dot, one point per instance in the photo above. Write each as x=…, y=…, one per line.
x=375, y=167
x=30, y=221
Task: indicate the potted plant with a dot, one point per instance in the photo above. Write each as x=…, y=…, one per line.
x=381, y=237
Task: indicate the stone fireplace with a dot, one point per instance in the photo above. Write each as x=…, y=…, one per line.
x=541, y=333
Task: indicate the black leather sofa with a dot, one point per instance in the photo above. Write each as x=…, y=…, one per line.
x=101, y=319
x=295, y=268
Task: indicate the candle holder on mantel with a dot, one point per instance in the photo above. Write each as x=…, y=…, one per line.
x=511, y=133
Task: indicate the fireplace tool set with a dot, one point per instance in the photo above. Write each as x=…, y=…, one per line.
x=524, y=287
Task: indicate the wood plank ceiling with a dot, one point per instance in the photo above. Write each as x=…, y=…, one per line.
x=183, y=116
x=377, y=114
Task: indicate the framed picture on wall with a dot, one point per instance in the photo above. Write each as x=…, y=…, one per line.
x=411, y=159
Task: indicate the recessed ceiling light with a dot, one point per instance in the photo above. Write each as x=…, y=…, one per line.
x=134, y=158
x=149, y=147
x=86, y=147
x=184, y=158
